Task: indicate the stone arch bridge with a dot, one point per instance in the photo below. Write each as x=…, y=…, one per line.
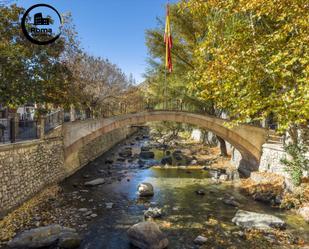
x=247, y=139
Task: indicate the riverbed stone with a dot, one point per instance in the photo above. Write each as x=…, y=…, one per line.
x=178, y=157
x=41, y=237
x=145, y=189
x=231, y=201
x=147, y=235
x=145, y=148
x=109, y=161
x=146, y=155
x=255, y=220
x=223, y=177
x=167, y=160
x=95, y=182
x=121, y=159
x=109, y=205
x=304, y=212
x=127, y=152
x=83, y=210
x=153, y=213
x=200, y=192
x=200, y=240
x=69, y=241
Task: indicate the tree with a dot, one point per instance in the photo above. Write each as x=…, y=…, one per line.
x=59, y=74
x=254, y=59
x=29, y=73
x=188, y=31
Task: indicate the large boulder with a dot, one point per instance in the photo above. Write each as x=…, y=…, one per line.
x=177, y=154
x=145, y=189
x=304, y=212
x=147, y=235
x=148, y=163
x=146, y=155
x=259, y=221
x=126, y=152
x=69, y=240
x=167, y=160
x=45, y=237
x=145, y=148
x=95, y=182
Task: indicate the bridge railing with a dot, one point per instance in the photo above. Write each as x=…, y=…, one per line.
x=13, y=130
x=52, y=120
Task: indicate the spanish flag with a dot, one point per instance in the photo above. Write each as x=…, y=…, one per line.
x=168, y=41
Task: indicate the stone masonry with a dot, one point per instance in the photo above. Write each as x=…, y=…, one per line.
x=26, y=168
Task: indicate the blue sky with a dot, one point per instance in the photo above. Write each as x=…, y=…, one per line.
x=112, y=29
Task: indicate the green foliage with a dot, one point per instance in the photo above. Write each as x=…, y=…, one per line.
x=297, y=163
x=29, y=73
x=58, y=74
x=186, y=32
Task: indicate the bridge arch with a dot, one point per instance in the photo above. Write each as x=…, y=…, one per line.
x=248, y=140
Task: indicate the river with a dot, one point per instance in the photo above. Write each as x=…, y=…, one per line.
x=186, y=214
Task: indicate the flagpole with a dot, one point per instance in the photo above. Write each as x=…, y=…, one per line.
x=165, y=89
x=165, y=74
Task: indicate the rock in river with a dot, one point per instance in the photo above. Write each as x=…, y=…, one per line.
x=167, y=160
x=304, y=212
x=147, y=235
x=153, y=213
x=260, y=221
x=200, y=240
x=146, y=155
x=127, y=152
x=69, y=240
x=95, y=182
x=46, y=236
x=200, y=192
x=109, y=205
x=145, y=148
x=145, y=189
x=223, y=177
x=231, y=201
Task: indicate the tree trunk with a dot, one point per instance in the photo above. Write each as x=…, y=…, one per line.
x=222, y=146
x=293, y=132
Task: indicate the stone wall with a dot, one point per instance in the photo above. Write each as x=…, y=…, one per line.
x=89, y=151
x=26, y=168
x=244, y=164
x=271, y=159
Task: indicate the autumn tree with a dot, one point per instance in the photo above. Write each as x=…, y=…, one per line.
x=188, y=30
x=253, y=61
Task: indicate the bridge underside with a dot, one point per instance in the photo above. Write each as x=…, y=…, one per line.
x=247, y=139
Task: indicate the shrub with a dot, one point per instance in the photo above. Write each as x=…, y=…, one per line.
x=297, y=163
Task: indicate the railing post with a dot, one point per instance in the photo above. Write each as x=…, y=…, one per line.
x=12, y=130
x=13, y=127
x=61, y=114
x=41, y=127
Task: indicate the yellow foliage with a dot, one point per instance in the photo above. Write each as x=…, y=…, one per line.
x=254, y=59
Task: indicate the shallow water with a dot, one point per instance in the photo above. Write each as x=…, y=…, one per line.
x=186, y=214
